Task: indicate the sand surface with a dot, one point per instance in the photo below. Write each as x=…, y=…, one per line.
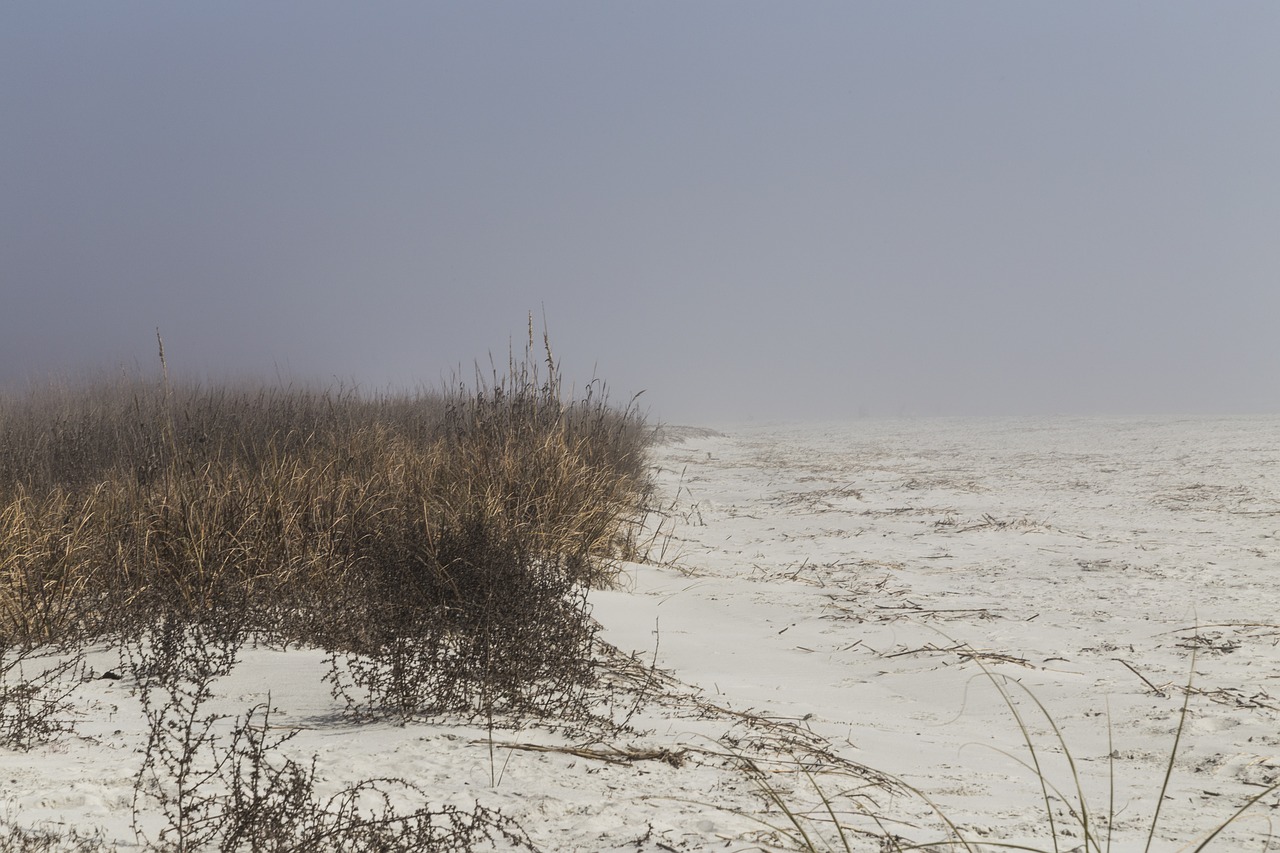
x=848, y=598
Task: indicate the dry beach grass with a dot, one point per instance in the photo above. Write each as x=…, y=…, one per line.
x=436, y=546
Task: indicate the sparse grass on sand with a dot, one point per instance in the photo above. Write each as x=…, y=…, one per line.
x=829, y=812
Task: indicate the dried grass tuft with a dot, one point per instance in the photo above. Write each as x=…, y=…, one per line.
x=453, y=532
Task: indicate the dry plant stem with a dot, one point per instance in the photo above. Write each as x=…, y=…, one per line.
x=176, y=664
x=801, y=836
x=35, y=708
x=1090, y=834
x=1154, y=689
x=1238, y=812
x=1111, y=778
x=1173, y=753
x=15, y=839
x=1030, y=744
x=608, y=754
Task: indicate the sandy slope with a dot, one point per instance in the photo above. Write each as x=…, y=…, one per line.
x=1076, y=557
x=834, y=584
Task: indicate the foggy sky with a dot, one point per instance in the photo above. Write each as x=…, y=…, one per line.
x=748, y=210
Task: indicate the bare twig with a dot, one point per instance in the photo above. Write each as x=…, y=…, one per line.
x=1154, y=689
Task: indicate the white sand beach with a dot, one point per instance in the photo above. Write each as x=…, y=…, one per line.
x=845, y=598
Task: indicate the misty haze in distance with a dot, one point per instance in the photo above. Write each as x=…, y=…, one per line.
x=749, y=210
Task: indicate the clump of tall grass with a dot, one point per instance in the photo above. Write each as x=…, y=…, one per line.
x=457, y=528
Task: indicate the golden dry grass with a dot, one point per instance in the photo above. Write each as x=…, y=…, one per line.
x=120, y=497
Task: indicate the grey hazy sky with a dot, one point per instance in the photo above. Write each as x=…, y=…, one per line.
x=748, y=209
